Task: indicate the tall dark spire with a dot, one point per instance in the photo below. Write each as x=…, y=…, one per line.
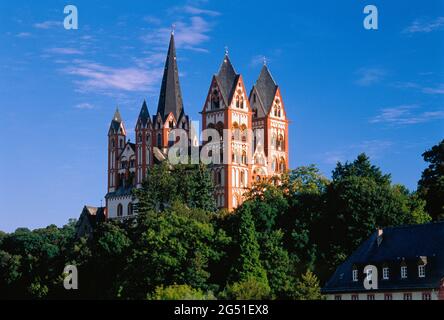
x=170, y=99
x=144, y=115
x=227, y=78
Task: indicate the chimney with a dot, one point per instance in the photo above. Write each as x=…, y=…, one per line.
x=379, y=238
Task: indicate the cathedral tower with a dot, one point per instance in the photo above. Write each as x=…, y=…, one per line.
x=144, y=143
x=116, y=144
x=227, y=110
x=270, y=126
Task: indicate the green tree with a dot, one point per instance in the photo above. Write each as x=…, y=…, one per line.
x=431, y=184
x=165, y=184
x=359, y=200
x=179, y=292
x=308, y=287
x=249, y=263
x=171, y=247
x=250, y=288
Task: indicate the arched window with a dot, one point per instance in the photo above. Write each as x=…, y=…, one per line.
x=140, y=137
x=113, y=143
x=242, y=179
x=130, y=209
x=243, y=130
x=280, y=142
x=159, y=140
x=148, y=138
x=237, y=102
x=215, y=104
x=236, y=131
x=220, y=129
x=282, y=165
x=241, y=102
x=219, y=177
x=244, y=157
x=273, y=140
x=119, y=210
x=274, y=165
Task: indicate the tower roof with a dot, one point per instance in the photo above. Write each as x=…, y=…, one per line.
x=117, y=121
x=266, y=88
x=144, y=115
x=117, y=117
x=227, y=79
x=170, y=99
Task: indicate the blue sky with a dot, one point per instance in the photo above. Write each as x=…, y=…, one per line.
x=347, y=90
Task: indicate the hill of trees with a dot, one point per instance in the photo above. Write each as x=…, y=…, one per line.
x=282, y=243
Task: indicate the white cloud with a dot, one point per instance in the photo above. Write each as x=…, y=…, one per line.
x=65, y=51
x=99, y=78
x=370, y=76
x=198, y=11
x=23, y=35
x=406, y=115
x=84, y=106
x=189, y=34
x=421, y=26
x=436, y=90
x=258, y=60
x=48, y=24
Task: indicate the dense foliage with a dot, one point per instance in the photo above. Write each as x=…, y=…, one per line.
x=283, y=242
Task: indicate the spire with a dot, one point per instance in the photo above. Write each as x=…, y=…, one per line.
x=266, y=88
x=117, y=123
x=117, y=117
x=170, y=99
x=144, y=115
x=227, y=78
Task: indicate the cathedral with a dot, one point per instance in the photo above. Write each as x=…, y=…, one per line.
x=251, y=131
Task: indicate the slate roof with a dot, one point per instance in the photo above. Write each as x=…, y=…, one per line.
x=265, y=89
x=144, y=115
x=405, y=244
x=227, y=79
x=116, y=121
x=120, y=192
x=170, y=98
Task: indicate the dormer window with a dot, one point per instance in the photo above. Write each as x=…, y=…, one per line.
x=403, y=272
x=421, y=271
x=355, y=275
x=385, y=273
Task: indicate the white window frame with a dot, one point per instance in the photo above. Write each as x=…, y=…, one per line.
x=355, y=275
x=404, y=272
x=421, y=271
x=385, y=273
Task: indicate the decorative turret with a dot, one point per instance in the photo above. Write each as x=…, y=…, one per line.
x=116, y=144
x=143, y=143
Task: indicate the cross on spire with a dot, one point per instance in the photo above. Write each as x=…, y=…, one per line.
x=265, y=60
x=173, y=28
x=226, y=50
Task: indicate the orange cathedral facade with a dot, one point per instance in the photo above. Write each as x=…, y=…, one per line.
x=246, y=131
